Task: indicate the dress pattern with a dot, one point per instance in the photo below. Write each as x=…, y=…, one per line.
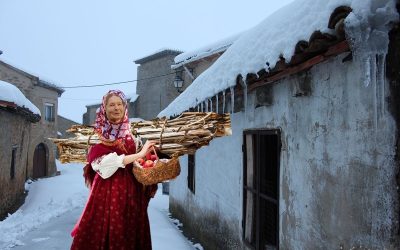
x=115, y=216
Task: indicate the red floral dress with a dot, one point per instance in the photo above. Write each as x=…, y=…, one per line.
x=115, y=215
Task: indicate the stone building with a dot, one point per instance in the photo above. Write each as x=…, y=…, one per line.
x=16, y=120
x=89, y=117
x=313, y=161
x=62, y=125
x=154, y=90
x=188, y=65
x=155, y=85
x=44, y=95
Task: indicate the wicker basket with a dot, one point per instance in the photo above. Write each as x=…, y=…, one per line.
x=163, y=170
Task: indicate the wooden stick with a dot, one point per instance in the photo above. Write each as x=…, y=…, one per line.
x=178, y=136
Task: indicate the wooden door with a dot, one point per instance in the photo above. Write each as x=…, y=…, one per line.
x=39, y=161
x=261, y=164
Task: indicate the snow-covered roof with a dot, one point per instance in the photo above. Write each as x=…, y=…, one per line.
x=157, y=54
x=277, y=35
x=10, y=93
x=206, y=51
x=48, y=85
x=40, y=82
x=132, y=97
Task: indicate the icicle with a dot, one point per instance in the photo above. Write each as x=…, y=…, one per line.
x=383, y=65
x=380, y=79
x=372, y=79
x=206, y=104
x=216, y=104
x=245, y=100
x=367, y=70
x=201, y=107
x=211, y=105
x=232, y=100
x=223, y=102
x=198, y=108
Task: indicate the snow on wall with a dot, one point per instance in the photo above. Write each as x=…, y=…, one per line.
x=366, y=27
x=10, y=93
x=337, y=179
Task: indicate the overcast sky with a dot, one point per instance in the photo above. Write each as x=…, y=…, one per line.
x=87, y=42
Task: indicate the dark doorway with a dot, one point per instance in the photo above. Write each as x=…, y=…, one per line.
x=40, y=161
x=191, y=172
x=261, y=162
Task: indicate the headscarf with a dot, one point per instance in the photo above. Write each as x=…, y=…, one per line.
x=107, y=131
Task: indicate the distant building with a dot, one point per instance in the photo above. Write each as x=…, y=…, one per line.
x=154, y=90
x=155, y=85
x=44, y=95
x=62, y=125
x=15, y=119
x=188, y=65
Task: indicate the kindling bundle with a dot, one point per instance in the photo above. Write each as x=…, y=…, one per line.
x=174, y=137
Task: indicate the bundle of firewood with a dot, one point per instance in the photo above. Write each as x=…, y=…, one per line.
x=173, y=137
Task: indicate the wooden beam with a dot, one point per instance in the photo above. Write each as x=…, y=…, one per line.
x=332, y=51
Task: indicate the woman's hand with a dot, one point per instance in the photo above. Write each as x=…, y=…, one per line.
x=147, y=147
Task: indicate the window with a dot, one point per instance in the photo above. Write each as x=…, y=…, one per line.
x=12, y=168
x=261, y=188
x=49, y=112
x=191, y=172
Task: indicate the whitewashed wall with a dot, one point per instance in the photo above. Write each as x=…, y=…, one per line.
x=337, y=179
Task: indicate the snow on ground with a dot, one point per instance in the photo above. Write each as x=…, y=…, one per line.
x=54, y=204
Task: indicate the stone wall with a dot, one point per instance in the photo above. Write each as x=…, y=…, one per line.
x=14, y=134
x=337, y=164
x=90, y=116
x=38, y=95
x=156, y=93
x=64, y=124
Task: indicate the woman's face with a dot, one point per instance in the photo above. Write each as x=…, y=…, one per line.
x=115, y=109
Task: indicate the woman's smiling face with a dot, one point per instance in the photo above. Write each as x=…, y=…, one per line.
x=115, y=109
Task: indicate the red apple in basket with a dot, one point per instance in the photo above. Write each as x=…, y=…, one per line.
x=148, y=156
x=153, y=157
x=148, y=164
x=140, y=161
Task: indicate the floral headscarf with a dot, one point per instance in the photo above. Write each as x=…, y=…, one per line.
x=107, y=131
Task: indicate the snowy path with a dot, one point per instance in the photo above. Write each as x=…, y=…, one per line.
x=55, y=234
x=53, y=205
x=51, y=235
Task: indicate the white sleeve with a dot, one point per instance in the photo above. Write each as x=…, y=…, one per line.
x=108, y=164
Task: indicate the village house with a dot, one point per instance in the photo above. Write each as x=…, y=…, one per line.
x=188, y=65
x=313, y=160
x=155, y=83
x=44, y=95
x=63, y=124
x=154, y=90
x=16, y=115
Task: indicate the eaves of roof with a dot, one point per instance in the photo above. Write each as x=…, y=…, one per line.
x=157, y=55
x=51, y=86
x=36, y=79
x=14, y=108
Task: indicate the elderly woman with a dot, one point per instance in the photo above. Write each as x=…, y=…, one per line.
x=115, y=215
